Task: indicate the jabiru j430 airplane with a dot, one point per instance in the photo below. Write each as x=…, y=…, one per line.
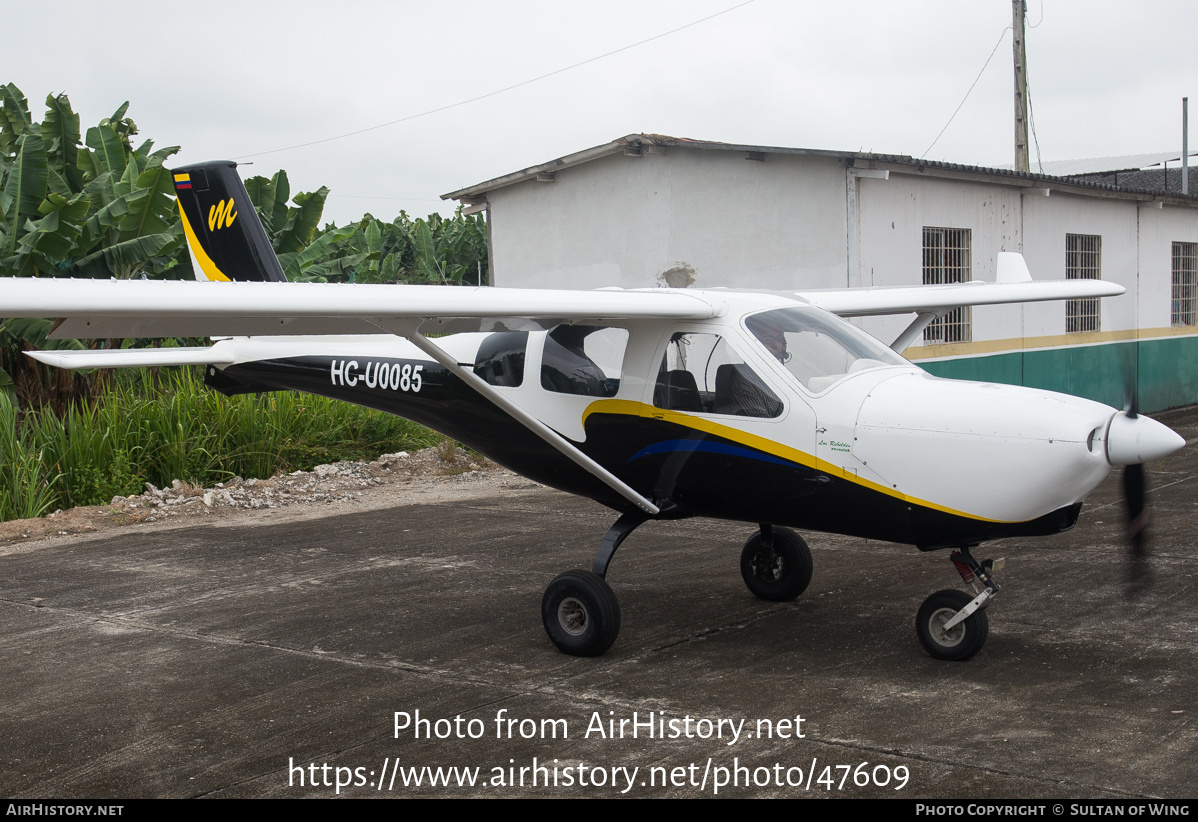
x=764, y=408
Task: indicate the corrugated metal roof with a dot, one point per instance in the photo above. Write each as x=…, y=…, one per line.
x=638, y=143
x=1120, y=162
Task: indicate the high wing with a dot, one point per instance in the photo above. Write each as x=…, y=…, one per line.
x=108, y=308
x=1014, y=284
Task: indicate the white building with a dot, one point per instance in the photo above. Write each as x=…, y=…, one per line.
x=649, y=210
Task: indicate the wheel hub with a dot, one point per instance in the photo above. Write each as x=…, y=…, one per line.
x=572, y=616
x=768, y=565
x=950, y=637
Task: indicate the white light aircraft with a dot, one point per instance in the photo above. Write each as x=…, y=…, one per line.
x=764, y=408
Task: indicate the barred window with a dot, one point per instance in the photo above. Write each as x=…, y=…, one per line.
x=1083, y=261
x=947, y=259
x=1185, y=284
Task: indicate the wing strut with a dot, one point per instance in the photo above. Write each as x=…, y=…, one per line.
x=534, y=425
x=916, y=328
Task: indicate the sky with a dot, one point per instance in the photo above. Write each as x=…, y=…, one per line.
x=241, y=80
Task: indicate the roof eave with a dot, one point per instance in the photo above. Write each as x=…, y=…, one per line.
x=897, y=162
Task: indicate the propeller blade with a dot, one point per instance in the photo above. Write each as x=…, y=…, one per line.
x=1134, y=493
x=1130, y=380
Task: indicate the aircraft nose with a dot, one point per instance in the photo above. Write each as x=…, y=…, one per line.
x=1133, y=440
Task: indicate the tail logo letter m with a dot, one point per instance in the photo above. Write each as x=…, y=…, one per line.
x=221, y=215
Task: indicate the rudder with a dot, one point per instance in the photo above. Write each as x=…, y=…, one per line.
x=226, y=238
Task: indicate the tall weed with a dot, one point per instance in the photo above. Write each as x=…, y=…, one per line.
x=148, y=428
x=25, y=483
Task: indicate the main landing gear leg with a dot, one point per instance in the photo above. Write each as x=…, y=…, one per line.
x=579, y=609
x=952, y=625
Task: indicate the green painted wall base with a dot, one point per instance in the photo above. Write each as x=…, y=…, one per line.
x=1166, y=371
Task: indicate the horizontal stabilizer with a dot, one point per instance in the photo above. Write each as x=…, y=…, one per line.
x=131, y=357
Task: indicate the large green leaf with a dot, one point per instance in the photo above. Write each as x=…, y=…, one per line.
x=151, y=206
x=374, y=237
x=302, y=223
x=389, y=270
x=15, y=119
x=107, y=218
x=107, y=150
x=318, y=249
x=270, y=199
x=55, y=237
x=428, y=268
x=262, y=195
x=60, y=129
x=127, y=259
x=25, y=187
x=282, y=190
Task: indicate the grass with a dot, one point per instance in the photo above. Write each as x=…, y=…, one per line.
x=175, y=428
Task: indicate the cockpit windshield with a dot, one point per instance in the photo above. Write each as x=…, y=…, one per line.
x=818, y=349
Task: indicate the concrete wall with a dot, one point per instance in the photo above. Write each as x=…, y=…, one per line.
x=713, y=217
x=893, y=214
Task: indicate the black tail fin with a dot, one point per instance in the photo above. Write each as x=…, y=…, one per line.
x=225, y=236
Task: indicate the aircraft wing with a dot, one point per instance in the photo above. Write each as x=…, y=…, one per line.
x=866, y=302
x=137, y=308
x=1014, y=284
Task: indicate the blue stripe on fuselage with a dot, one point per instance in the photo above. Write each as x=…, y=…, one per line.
x=706, y=446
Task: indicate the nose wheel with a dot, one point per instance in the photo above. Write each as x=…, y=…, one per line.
x=957, y=642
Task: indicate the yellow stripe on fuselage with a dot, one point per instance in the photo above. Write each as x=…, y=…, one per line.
x=768, y=446
x=210, y=269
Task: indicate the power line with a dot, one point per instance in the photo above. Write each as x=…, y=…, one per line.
x=502, y=90
x=1001, y=37
x=1031, y=117
x=1041, y=20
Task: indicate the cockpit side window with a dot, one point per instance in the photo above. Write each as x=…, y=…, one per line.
x=583, y=359
x=702, y=373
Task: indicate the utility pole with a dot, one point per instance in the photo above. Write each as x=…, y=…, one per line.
x=1185, y=145
x=1018, y=13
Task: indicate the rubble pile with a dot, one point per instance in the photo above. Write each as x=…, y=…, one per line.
x=337, y=482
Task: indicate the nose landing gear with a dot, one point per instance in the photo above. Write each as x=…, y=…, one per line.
x=951, y=625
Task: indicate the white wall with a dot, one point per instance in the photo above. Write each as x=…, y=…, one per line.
x=893, y=215
x=1159, y=229
x=624, y=221
x=1046, y=222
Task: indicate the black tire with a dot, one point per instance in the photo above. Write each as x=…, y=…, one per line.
x=964, y=639
x=785, y=576
x=581, y=613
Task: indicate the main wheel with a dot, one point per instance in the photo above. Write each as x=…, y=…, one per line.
x=961, y=641
x=780, y=574
x=581, y=613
